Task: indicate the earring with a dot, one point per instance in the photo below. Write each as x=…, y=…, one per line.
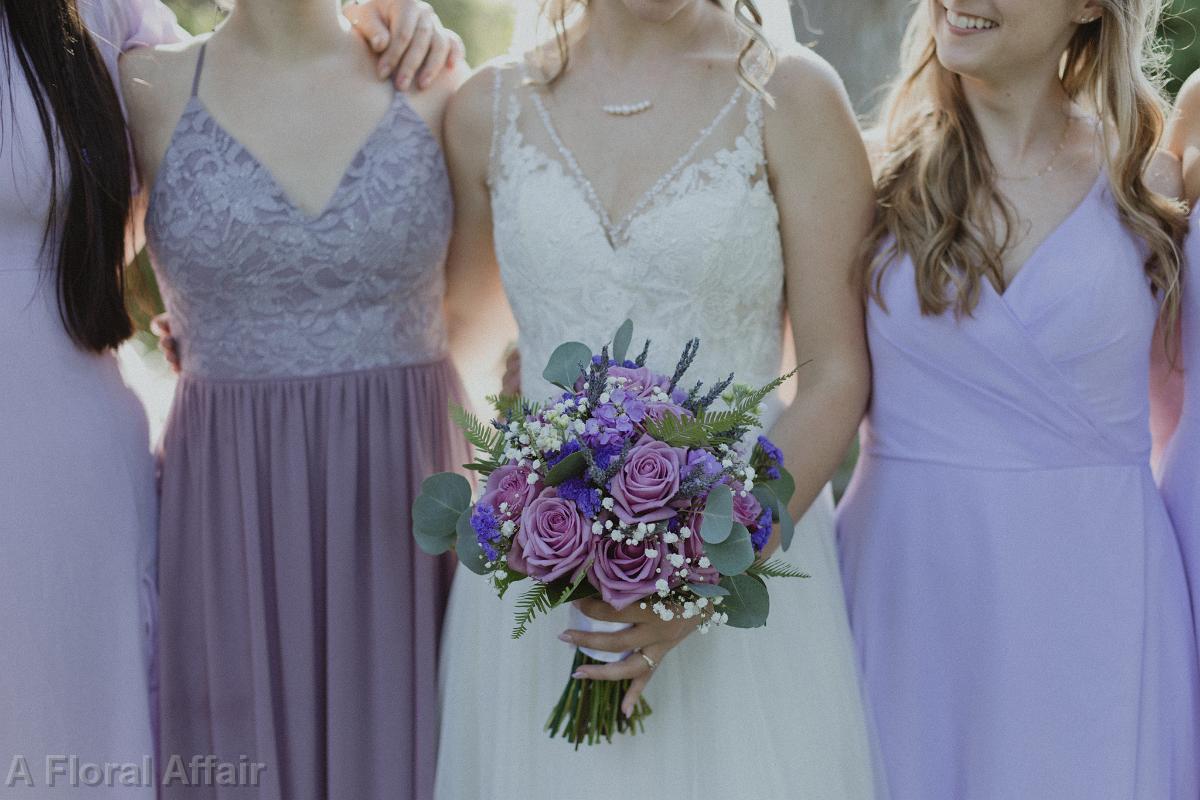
x=1087, y=20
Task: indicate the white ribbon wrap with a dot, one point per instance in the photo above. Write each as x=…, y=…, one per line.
x=582, y=622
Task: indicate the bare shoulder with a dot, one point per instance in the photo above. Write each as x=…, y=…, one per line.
x=157, y=81
x=1185, y=122
x=470, y=110
x=1164, y=174
x=811, y=110
x=432, y=101
x=806, y=83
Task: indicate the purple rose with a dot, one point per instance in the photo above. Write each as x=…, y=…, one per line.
x=553, y=539
x=640, y=380
x=624, y=574
x=656, y=411
x=647, y=482
x=510, y=484
x=746, y=508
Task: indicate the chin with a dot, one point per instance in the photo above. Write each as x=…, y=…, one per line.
x=657, y=11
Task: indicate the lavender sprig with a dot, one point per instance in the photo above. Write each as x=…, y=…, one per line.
x=641, y=359
x=685, y=362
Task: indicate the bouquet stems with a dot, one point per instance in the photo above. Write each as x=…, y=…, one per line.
x=588, y=711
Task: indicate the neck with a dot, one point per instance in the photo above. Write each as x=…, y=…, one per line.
x=626, y=38
x=293, y=30
x=1020, y=117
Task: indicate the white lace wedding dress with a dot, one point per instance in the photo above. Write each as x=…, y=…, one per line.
x=766, y=714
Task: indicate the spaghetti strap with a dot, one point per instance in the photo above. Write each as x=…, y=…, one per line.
x=199, y=69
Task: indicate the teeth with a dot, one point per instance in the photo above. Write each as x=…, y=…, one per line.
x=968, y=22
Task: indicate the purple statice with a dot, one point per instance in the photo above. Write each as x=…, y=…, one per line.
x=774, y=457
x=605, y=455
x=762, y=531
x=486, y=523
x=567, y=449
x=584, y=496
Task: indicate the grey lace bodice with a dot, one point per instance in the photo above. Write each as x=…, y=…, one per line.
x=258, y=288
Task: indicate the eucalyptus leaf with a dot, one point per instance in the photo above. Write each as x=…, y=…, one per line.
x=718, y=515
x=734, y=555
x=748, y=603
x=566, y=364
x=784, y=486
x=708, y=589
x=620, y=345
x=436, y=510
x=566, y=469
x=469, y=552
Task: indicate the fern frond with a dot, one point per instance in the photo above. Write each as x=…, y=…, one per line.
x=534, y=602
x=775, y=569
x=482, y=436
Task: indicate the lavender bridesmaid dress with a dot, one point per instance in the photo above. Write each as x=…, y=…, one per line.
x=1015, y=587
x=299, y=622
x=77, y=504
x=1180, y=476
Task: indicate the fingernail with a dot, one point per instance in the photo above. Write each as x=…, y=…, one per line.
x=578, y=674
x=379, y=41
x=405, y=80
x=566, y=637
x=425, y=81
x=626, y=711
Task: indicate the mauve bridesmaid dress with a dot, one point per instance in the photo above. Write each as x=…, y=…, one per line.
x=77, y=504
x=300, y=623
x=1180, y=469
x=1015, y=586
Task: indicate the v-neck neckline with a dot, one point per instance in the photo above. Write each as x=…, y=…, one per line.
x=615, y=233
x=277, y=187
x=1035, y=254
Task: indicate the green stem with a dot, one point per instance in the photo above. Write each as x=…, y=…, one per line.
x=590, y=711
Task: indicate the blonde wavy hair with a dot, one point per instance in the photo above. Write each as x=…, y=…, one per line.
x=937, y=185
x=756, y=61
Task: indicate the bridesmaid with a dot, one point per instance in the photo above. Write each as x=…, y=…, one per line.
x=1180, y=467
x=1015, y=586
x=77, y=499
x=303, y=276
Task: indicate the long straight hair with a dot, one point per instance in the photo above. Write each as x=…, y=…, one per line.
x=81, y=119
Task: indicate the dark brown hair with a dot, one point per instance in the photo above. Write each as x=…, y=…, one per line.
x=81, y=118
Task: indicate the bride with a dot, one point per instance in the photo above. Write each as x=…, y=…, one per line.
x=656, y=161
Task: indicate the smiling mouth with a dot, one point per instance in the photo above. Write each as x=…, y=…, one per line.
x=968, y=23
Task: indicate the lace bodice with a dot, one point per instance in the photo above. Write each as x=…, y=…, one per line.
x=699, y=255
x=258, y=288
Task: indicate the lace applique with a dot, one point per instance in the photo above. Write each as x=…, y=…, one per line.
x=702, y=257
x=257, y=288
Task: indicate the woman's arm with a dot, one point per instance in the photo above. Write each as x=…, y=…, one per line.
x=480, y=322
x=821, y=179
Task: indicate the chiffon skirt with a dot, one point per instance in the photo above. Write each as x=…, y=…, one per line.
x=770, y=714
x=300, y=623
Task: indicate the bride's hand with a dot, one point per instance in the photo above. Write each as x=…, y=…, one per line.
x=650, y=639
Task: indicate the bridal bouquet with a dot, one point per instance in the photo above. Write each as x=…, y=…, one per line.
x=625, y=486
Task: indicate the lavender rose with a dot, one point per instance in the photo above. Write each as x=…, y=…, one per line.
x=553, y=539
x=647, y=482
x=641, y=381
x=746, y=508
x=510, y=484
x=624, y=573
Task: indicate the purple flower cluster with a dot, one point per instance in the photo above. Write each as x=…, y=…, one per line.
x=773, y=456
x=760, y=534
x=487, y=529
